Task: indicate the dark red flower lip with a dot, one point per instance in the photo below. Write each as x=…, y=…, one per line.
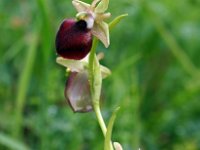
x=73, y=39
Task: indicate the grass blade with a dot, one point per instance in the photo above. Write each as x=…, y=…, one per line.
x=11, y=143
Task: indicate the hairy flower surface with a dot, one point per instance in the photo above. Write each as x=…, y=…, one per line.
x=73, y=40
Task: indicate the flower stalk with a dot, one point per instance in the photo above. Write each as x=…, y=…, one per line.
x=95, y=79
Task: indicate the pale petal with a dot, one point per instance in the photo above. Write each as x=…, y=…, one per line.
x=101, y=31
x=80, y=6
x=102, y=6
x=73, y=65
x=81, y=65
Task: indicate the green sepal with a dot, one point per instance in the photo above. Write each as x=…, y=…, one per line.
x=80, y=6
x=73, y=65
x=102, y=6
x=81, y=66
x=101, y=31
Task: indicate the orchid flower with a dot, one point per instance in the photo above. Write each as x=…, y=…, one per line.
x=94, y=15
x=77, y=89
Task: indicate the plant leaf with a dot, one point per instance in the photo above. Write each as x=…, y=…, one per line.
x=116, y=20
x=101, y=31
x=109, y=129
x=11, y=143
x=80, y=6
x=102, y=6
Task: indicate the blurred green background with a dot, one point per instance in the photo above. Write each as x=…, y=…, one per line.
x=155, y=61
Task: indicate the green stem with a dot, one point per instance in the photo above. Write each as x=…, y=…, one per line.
x=100, y=118
x=95, y=85
x=91, y=62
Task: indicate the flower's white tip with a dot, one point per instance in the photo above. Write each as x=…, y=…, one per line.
x=90, y=22
x=88, y=17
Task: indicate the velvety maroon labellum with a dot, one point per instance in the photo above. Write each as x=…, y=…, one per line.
x=73, y=40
